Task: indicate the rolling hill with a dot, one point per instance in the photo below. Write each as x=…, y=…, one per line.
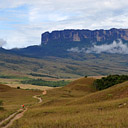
x=75, y=107
x=116, y=92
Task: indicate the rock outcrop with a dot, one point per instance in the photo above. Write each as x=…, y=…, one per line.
x=85, y=35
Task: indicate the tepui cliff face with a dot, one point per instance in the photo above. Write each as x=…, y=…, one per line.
x=85, y=36
x=66, y=43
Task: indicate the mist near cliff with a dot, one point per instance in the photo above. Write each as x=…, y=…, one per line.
x=2, y=42
x=115, y=47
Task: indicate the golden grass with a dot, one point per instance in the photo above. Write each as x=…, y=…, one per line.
x=115, y=92
x=70, y=107
x=82, y=84
x=29, y=86
x=96, y=77
x=14, y=98
x=75, y=117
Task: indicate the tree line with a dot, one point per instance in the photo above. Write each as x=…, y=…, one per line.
x=41, y=82
x=109, y=81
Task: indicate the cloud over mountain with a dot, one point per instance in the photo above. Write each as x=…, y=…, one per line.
x=2, y=42
x=115, y=47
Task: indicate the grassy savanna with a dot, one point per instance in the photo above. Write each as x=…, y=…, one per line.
x=17, y=83
x=79, y=105
x=13, y=99
x=55, y=67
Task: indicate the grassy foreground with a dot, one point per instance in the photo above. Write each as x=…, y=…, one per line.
x=13, y=99
x=79, y=105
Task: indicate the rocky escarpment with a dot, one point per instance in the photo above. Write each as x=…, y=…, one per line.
x=74, y=43
x=85, y=36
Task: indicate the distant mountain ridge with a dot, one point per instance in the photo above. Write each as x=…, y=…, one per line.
x=71, y=53
x=84, y=36
x=63, y=43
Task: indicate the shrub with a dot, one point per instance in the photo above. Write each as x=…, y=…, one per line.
x=18, y=87
x=109, y=81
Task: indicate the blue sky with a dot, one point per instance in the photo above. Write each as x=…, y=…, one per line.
x=23, y=21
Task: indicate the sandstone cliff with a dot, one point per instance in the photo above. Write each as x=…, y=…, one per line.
x=84, y=36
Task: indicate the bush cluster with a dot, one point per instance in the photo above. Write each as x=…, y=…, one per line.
x=41, y=82
x=109, y=81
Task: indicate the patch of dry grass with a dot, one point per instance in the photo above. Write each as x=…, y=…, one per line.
x=13, y=99
x=75, y=117
x=115, y=92
x=14, y=83
x=59, y=110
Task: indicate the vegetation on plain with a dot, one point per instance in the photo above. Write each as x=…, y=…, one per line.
x=41, y=82
x=109, y=81
x=12, y=77
x=74, y=67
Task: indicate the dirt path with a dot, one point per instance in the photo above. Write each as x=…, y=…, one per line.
x=12, y=115
x=17, y=115
x=36, y=97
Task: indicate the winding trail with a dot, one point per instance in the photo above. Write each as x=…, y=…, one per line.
x=11, y=116
x=40, y=99
x=17, y=115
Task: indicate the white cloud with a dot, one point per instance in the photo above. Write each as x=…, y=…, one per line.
x=75, y=49
x=115, y=47
x=2, y=42
x=30, y=18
